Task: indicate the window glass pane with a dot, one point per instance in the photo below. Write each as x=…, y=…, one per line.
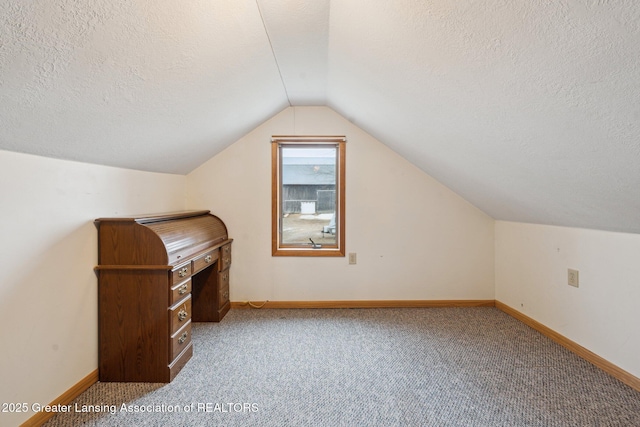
x=308, y=195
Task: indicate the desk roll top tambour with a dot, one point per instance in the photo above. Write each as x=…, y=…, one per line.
x=157, y=274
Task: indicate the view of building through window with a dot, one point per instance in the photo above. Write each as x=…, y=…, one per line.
x=308, y=195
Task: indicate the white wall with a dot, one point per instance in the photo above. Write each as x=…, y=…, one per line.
x=414, y=238
x=48, y=290
x=602, y=314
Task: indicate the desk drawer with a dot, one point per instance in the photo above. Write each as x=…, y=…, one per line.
x=204, y=261
x=180, y=273
x=225, y=257
x=179, y=291
x=180, y=314
x=180, y=340
x=223, y=288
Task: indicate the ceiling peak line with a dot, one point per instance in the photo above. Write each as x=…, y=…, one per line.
x=273, y=52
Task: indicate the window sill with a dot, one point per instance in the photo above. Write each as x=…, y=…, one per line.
x=307, y=252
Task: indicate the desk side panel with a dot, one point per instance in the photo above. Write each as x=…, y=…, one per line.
x=129, y=243
x=133, y=325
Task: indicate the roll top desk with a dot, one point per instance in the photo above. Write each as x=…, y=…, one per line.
x=156, y=275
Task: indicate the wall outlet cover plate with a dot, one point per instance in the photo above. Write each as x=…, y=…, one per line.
x=573, y=278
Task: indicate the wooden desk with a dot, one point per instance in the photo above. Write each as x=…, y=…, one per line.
x=156, y=275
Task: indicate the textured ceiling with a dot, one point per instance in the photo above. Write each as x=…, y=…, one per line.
x=154, y=85
x=528, y=109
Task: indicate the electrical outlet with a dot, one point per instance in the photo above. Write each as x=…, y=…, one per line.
x=352, y=258
x=573, y=278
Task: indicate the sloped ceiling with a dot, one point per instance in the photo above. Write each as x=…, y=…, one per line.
x=528, y=109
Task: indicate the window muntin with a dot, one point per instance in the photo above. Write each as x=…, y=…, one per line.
x=308, y=196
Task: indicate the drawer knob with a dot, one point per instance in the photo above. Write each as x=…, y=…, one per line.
x=207, y=259
x=183, y=272
x=182, y=338
x=182, y=314
x=183, y=289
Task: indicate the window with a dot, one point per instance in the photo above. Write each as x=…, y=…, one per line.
x=308, y=197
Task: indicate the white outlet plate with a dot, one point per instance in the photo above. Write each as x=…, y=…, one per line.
x=573, y=278
x=352, y=258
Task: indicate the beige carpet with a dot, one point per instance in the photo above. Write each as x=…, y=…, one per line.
x=368, y=367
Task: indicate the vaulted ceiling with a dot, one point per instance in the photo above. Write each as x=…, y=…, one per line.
x=528, y=109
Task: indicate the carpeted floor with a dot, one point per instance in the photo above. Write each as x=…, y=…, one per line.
x=368, y=367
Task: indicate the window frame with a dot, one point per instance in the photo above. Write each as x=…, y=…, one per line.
x=279, y=249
